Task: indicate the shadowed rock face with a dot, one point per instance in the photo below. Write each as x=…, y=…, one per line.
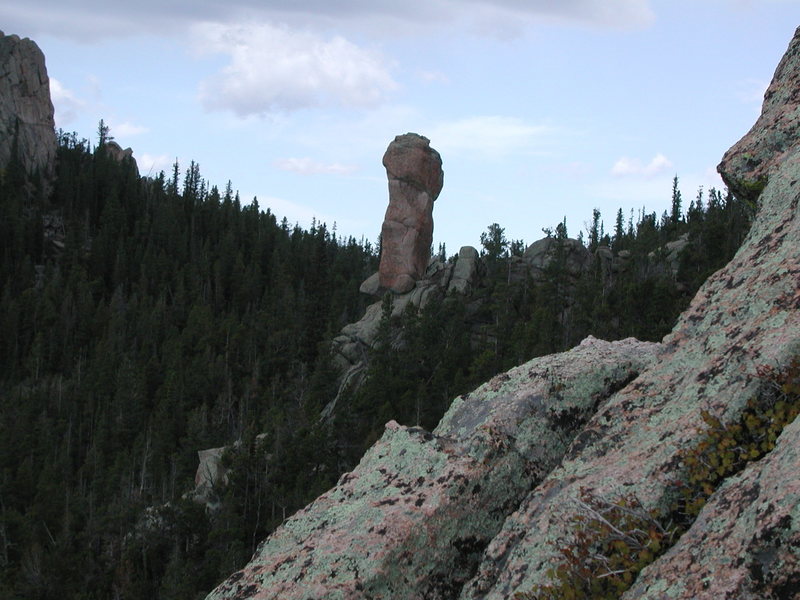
x=26, y=111
x=415, y=177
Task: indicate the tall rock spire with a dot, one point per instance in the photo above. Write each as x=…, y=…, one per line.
x=415, y=177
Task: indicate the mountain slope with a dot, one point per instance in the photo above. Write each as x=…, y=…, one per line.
x=632, y=451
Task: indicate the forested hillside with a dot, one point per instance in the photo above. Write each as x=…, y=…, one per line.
x=142, y=320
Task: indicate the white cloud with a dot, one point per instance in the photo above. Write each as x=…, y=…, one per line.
x=150, y=164
x=274, y=68
x=125, y=129
x=625, y=166
x=67, y=105
x=486, y=135
x=307, y=166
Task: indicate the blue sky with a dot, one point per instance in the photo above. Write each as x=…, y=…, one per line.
x=541, y=109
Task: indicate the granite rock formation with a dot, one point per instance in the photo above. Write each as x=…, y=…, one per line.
x=482, y=507
x=413, y=518
x=26, y=111
x=115, y=151
x=415, y=177
x=351, y=347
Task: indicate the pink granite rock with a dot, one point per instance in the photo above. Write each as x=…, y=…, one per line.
x=413, y=518
x=415, y=177
x=745, y=542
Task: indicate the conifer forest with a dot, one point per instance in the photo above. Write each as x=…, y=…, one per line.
x=143, y=319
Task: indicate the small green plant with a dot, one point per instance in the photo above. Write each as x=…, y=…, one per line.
x=752, y=189
x=612, y=542
x=725, y=449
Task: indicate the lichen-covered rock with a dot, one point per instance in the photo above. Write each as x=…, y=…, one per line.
x=412, y=520
x=748, y=164
x=414, y=170
x=26, y=111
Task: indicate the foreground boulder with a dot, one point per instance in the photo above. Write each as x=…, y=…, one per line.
x=26, y=111
x=413, y=518
x=415, y=177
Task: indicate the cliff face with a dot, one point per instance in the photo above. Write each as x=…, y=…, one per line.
x=482, y=507
x=26, y=111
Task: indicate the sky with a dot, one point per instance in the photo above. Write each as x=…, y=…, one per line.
x=542, y=110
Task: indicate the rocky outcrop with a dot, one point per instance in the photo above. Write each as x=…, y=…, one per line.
x=746, y=167
x=415, y=177
x=412, y=520
x=212, y=474
x=351, y=347
x=669, y=255
x=467, y=271
x=575, y=257
x=115, y=151
x=26, y=111
x=744, y=544
x=485, y=505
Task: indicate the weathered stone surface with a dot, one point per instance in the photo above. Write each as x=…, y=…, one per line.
x=371, y=285
x=414, y=170
x=669, y=255
x=210, y=474
x=747, y=165
x=349, y=349
x=412, y=519
x=26, y=111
